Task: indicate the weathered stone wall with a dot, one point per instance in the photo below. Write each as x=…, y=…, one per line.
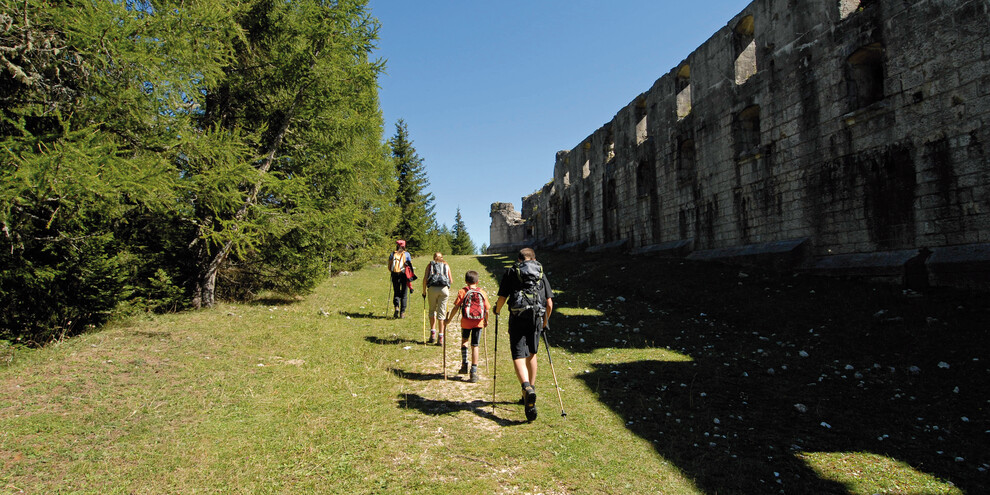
x=860, y=126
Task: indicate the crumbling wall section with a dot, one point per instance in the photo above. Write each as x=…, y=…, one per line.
x=858, y=125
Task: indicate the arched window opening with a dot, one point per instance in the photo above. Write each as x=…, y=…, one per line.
x=747, y=127
x=683, y=88
x=865, y=76
x=745, y=48
x=640, y=117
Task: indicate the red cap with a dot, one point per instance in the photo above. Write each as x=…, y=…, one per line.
x=400, y=242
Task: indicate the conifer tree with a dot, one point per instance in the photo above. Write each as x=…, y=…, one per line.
x=416, y=217
x=151, y=148
x=462, y=243
x=307, y=175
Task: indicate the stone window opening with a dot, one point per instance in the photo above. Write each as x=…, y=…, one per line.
x=747, y=131
x=683, y=88
x=609, y=148
x=864, y=80
x=609, y=202
x=745, y=49
x=685, y=157
x=567, y=212
x=567, y=179
x=849, y=7
x=587, y=205
x=644, y=178
x=641, y=132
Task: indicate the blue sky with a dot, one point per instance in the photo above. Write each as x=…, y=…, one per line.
x=490, y=91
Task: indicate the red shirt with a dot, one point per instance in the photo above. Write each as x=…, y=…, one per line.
x=468, y=323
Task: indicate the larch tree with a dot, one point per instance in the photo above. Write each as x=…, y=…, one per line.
x=151, y=147
x=303, y=171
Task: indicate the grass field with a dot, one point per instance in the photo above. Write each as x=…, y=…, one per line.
x=675, y=377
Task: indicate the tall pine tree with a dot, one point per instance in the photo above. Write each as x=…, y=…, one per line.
x=417, y=222
x=462, y=243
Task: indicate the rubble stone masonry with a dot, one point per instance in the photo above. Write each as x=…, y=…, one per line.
x=849, y=135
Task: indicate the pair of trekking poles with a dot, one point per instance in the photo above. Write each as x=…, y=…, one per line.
x=445, y=343
x=546, y=343
x=549, y=359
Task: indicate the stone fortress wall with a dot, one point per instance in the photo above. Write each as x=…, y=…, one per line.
x=836, y=135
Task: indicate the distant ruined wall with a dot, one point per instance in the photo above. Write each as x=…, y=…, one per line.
x=849, y=127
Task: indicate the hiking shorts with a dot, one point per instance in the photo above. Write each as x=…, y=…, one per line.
x=472, y=333
x=524, y=337
x=437, y=298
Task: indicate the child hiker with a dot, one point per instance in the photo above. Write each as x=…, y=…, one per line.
x=474, y=306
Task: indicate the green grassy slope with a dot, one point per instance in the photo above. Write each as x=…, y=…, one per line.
x=664, y=369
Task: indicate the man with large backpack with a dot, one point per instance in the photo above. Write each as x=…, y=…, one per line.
x=436, y=290
x=526, y=289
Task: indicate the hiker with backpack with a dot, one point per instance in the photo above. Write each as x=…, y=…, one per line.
x=400, y=267
x=527, y=291
x=474, y=306
x=436, y=289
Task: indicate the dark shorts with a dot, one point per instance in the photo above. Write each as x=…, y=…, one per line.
x=472, y=333
x=524, y=337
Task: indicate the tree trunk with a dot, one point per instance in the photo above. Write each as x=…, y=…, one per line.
x=203, y=294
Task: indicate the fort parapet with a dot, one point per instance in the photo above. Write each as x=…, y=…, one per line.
x=840, y=136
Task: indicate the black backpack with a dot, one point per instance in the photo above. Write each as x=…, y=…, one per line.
x=438, y=275
x=528, y=298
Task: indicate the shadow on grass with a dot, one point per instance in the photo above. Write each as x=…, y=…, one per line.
x=415, y=376
x=274, y=300
x=434, y=407
x=393, y=341
x=764, y=370
x=365, y=315
x=496, y=264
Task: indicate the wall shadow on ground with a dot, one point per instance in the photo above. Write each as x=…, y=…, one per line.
x=875, y=369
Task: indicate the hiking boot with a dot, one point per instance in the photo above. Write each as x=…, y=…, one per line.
x=530, y=406
x=433, y=337
x=440, y=339
x=395, y=314
x=474, y=376
x=463, y=369
x=402, y=315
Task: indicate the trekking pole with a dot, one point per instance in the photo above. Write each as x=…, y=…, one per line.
x=486, y=351
x=495, y=364
x=388, y=301
x=446, y=335
x=550, y=360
